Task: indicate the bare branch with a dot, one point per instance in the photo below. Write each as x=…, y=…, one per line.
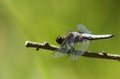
x=48, y=46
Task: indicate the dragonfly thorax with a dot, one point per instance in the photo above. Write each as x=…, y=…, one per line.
x=72, y=36
x=77, y=37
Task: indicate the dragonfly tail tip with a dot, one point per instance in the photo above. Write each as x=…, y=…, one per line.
x=112, y=35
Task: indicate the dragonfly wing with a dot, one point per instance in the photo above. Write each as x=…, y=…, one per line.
x=81, y=28
x=73, y=56
x=81, y=47
x=68, y=42
x=57, y=54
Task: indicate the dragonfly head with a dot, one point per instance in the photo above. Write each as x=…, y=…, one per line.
x=59, y=39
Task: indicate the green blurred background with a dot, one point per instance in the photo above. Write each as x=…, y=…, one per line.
x=43, y=20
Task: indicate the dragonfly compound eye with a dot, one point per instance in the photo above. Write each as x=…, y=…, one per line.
x=59, y=39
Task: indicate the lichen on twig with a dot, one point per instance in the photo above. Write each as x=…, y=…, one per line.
x=47, y=46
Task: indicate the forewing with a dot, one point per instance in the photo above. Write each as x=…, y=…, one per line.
x=82, y=29
x=68, y=42
x=80, y=46
x=73, y=56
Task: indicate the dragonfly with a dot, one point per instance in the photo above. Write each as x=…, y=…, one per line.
x=78, y=40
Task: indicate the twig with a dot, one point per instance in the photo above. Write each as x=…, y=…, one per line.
x=48, y=46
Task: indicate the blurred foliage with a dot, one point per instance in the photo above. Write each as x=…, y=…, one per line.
x=43, y=20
